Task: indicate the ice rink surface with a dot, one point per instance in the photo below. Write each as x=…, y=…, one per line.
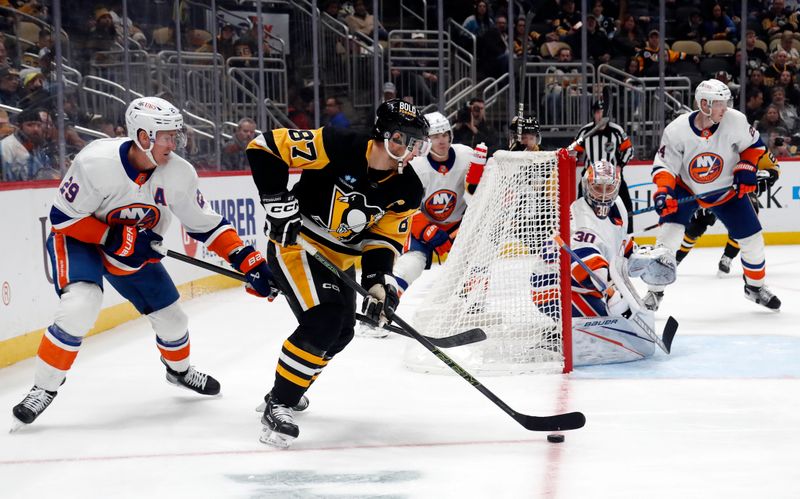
x=720, y=417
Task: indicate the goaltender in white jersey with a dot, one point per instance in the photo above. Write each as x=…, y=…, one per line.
x=450, y=174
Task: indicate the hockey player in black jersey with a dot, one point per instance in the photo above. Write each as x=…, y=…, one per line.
x=352, y=201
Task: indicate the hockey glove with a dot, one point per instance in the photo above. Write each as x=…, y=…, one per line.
x=744, y=175
x=382, y=298
x=283, y=218
x=665, y=201
x=436, y=239
x=475, y=171
x=131, y=245
x=251, y=263
x=766, y=179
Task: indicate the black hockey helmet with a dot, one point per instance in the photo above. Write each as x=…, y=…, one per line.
x=397, y=115
x=529, y=125
x=599, y=105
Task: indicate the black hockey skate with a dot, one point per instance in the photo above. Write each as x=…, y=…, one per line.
x=652, y=300
x=34, y=403
x=763, y=296
x=193, y=380
x=724, y=266
x=278, y=420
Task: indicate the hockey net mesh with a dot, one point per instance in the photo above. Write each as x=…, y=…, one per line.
x=501, y=275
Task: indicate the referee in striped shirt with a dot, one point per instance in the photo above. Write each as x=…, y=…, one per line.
x=610, y=143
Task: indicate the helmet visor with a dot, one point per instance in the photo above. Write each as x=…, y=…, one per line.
x=167, y=138
x=412, y=145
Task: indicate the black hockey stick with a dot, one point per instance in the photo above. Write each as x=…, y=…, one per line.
x=687, y=199
x=568, y=421
x=456, y=340
x=591, y=133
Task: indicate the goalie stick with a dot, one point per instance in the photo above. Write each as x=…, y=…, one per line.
x=459, y=339
x=558, y=422
x=670, y=328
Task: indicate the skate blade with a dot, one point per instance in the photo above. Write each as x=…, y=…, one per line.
x=176, y=384
x=261, y=407
x=722, y=274
x=16, y=424
x=274, y=439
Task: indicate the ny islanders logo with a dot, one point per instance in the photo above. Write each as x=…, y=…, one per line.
x=705, y=167
x=141, y=215
x=349, y=215
x=440, y=204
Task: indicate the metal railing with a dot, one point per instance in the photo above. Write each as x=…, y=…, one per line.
x=110, y=65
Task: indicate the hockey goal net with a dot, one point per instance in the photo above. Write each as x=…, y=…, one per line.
x=504, y=274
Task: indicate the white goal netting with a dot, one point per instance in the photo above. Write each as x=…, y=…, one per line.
x=502, y=274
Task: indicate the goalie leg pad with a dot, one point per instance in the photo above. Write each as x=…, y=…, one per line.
x=654, y=265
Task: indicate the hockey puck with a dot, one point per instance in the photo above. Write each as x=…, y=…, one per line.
x=555, y=438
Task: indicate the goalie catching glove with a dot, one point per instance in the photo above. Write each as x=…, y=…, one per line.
x=382, y=297
x=283, y=218
x=654, y=265
x=251, y=263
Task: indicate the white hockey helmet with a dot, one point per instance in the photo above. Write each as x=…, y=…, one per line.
x=153, y=114
x=438, y=123
x=712, y=90
x=600, y=184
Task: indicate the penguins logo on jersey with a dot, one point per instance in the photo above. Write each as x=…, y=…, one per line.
x=350, y=215
x=141, y=215
x=705, y=167
x=440, y=204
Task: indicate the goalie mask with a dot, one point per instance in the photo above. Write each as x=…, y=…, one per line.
x=153, y=114
x=401, y=123
x=601, y=186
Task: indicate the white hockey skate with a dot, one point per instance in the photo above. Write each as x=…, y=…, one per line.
x=34, y=403
x=724, y=266
x=279, y=429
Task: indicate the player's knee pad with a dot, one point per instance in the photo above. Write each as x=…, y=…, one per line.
x=670, y=236
x=320, y=327
x=78, y=307
x=410, y=266
x=170, y=323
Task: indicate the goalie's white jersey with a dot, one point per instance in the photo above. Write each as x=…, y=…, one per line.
x=101, y=184
x=704, y=160
x=444, y=201
x=606, y=238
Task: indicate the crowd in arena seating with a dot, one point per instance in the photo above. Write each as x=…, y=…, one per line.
x=705, y=38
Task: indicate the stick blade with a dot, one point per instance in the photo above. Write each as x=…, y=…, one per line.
x=559, y=422
x=464, y=338
x=670, y=328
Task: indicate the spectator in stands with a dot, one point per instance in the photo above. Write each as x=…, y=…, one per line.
x=756, y=56
x=134, y=31
x=225, y=41
x=21, y=153
x=787, y=44
x=103, y=125
x=471, y=127
x=4, y=60
x=332, y=8
x=32, y=88
x=606, y=23
x=389, y=91
x=778, y=144
x=754, y=105
x=534, y=39
x=597, y=43
x=9, y=86
x=718, y=26
x=559, y=83
x=628, y=39
x=493, y=50
x=480, y=21
x=787, y=111
x=786, y=80
x=778, y=66
x=648, y=56
x=333, y=110
x=6, y=128
x=778, y=18
x=50, y=169
x=233, y=151
x=564, y=24
x=364, y=22
x=691, y=29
